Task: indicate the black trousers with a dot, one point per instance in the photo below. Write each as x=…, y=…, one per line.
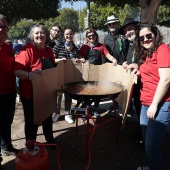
x=7, y=109
x=31, y=128
x=136, y=97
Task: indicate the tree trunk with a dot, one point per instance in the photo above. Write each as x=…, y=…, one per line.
x=149, y=10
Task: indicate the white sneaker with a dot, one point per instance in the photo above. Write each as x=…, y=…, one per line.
x=96, y=114
x=55, y=117
x=69, y=119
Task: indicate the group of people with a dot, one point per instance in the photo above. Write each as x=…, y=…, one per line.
x=136, y=46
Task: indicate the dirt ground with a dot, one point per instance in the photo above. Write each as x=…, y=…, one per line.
x=126, y=153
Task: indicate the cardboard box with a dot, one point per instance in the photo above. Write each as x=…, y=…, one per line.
x=45, y=86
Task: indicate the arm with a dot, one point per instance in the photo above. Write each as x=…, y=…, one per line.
x=23, y=75
x=111, y=58
x=163, y=86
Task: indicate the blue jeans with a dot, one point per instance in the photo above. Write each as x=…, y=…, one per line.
x=153, y=133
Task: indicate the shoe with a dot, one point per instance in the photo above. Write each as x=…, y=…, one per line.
x=11, y=152
x=96, y=114
x=143, y=168
x=69, y=119
x=55, y=117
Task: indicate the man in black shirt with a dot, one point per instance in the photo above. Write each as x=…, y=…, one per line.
x=116, y=44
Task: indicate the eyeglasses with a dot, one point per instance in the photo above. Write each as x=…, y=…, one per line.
x=113, y=23
x=148, y=36
x=3, y=27
x=92, y=35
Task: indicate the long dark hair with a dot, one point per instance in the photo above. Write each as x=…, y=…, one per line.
x=140, y=52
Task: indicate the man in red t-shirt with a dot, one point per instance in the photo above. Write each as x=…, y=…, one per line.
x=7, y=90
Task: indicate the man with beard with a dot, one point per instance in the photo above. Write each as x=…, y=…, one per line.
x=55, y=35
x=129, y=30
x=116, y=44
x=56, y=38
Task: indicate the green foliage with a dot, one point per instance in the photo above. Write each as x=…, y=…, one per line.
x=68, y=18
x=164, y=16
x=100, y=13
x=29, y=9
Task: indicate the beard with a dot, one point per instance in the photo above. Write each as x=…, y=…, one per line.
x=131, y=37
x=112, y=29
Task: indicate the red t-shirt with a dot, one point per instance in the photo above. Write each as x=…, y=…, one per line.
x=150, y=76
x=29, y=59
x=7, y=77
x=85, y=48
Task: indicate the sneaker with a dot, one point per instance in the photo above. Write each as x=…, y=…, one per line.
x=11, y=152
x=143, y=168
x=55, y=117
x=69, y=119
x=96, y=114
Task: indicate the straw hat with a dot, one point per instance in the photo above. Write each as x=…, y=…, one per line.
x=111, y=19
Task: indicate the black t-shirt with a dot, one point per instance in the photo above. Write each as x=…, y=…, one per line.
x=117, y=46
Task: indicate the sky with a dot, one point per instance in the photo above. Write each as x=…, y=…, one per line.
x=75, y=6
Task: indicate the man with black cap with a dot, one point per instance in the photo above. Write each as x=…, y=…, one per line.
x=116, y=44
x=129, y=30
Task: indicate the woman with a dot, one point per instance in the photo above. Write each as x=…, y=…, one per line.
x=32, y=59
x=94, y=51
x=66, y=51
x=154, y=70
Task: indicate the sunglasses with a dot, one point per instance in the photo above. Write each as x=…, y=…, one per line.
x=92, y=35
x=114, y=23
x=148, y=36
x=3, y=27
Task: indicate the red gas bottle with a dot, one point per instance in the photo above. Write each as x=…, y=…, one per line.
x=32, y=158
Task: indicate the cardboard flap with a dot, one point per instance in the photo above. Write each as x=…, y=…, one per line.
x=45, y=86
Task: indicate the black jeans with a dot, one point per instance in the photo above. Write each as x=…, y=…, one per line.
x=7, y=109
x=31, y=128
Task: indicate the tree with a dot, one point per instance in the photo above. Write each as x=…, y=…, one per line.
x=100, y=13
x=68, y=18
x=16, y=10
x=148, y=8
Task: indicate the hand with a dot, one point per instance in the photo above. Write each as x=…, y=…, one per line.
x=136, y=72
x=82, y=60
x=37, y=71
x=114, y=61
x=152, y=111
x=125, y=65
x=132, y=66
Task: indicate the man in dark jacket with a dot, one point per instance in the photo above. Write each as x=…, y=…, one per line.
x=116, y=44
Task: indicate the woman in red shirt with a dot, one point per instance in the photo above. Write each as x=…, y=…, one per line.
x=32, y=59
x=154, y=60
x=93, y=51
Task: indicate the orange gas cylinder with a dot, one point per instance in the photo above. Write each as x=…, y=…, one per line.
x=33, y=158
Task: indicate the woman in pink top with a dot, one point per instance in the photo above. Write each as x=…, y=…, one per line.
x=154, y=69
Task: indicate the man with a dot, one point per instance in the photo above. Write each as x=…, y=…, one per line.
x=55, y=35
x=129, y=30
x=116, y=44
x=56, y=38
x=7, y=90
